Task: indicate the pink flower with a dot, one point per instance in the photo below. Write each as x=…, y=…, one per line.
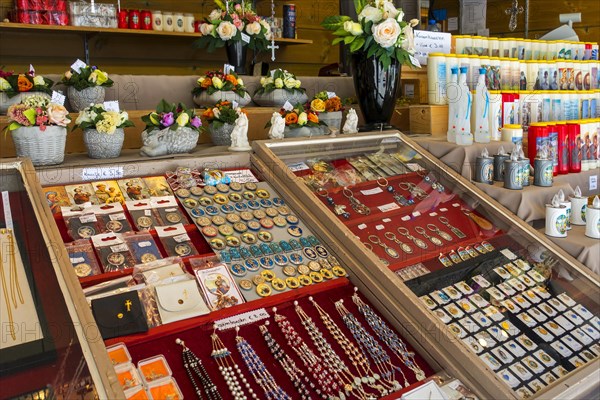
x=15, y=113
x=238, y=7
x=58, y=114
x=237, y=22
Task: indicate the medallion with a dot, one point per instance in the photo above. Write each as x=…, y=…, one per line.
x=86, y=232
x=245, y=284
x=197, y=212
x=295, y=231
x=252, y=265
x=205, y=201
x=263, y=290
x=190, y=203
x=278, y=284
x=235, y=186
x=208, y=189
x=144, y=222
x=183, y=249
x=238, y=270
x=292, y=282
x=196, y=190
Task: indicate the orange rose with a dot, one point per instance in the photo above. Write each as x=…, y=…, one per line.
x=206, y=83
x=312, y=117
x=231, y=79
x=333, y=104
x=24, y=84
x=208, y=113
x=291, y=118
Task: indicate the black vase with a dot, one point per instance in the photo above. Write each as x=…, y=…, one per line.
x=376, y=88
x=236, y=55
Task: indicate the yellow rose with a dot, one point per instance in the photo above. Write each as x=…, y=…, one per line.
x=183, y=119
x=102, y=77
x=278, y=83
x=200, y=80
x=38, y=80
x=302, y=118
x=317, y=105
x=217, y=82
x=154, y=118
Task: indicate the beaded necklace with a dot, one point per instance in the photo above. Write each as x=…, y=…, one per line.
x=194, y=367
x=301, y=382
x=310, y=360
x=388, y=336
x=370, y=346
x=259, y=371
x=229, y=368
x=357, y=357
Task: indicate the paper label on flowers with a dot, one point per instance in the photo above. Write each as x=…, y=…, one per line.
x=245, y=38
x=112, y=106
x=414, y=61
x=331, y=95
x=288, y=106
x=58, y=98
x=77, y=65
x=228, y=68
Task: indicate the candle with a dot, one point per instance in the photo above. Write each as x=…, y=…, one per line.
x=525, y=167
x=542, y=169
x=592, y=223
x=556, y=219
x=484, y=168
x=499, y=164
x=512, y=172
x=578, y=208
x=567, y=203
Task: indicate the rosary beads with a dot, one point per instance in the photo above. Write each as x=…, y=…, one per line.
x=194, y=367
x=229, y=368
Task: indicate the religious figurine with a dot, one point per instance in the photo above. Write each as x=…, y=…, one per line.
x=239, y=134
x=351, y=124
x=277, y=126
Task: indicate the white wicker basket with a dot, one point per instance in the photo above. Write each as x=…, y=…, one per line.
x=43, y=147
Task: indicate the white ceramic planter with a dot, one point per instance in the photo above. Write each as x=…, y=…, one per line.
x=168, y=141
x=209, y=100
x=278, y=97
x=42, y=147
x=305, y=131
x=80, y=99
x=102, y=145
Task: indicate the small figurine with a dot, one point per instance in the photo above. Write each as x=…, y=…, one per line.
x=277, y=126
x=351, y=124
x=239, y=134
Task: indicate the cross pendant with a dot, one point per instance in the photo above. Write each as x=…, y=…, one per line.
x=513, y=11
x=272, y=46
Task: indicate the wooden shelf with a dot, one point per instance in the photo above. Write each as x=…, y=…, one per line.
x=16, y=27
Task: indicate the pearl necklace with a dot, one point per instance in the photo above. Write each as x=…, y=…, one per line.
x=388, y=336
x=194, y=367
x=229, y=368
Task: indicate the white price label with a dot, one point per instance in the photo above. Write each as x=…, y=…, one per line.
x=245, y=38
x=8, y=220
x=389, y=207
x=148, y=213
x=433, y=214
x=77, y=260
x=414, y=61
x=31, y=69
x=227, y=68
x=416, y=214
x=405, y=218
x=379, y=227
x=288, y=106
x=58, y=98
x=371, y=191
x=362, y=226
x=509, y=254
x=234, y=104
x=299, y=166
x=84, y=219
x=443, y=209
x=119, y=248
x=386, y=220
x=145, y=243
x=101, y=173
x=112, y=106
x=117, y=217
x=241, y=176
x=77, y=65
x=246, y=318
x=181, y=238
x=331, y=95
x=455, y=205
x=593, y=182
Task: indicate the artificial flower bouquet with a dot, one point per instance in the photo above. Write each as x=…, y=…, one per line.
x=326, y=102
x=97, y=117
x=215, y=81
x=234, y=21
x=300, y=116
x=37, y=111
x=172, y=116
x=12, y=84
x=88, y=76
x=280, y=79
x=222, y=113
x=380, y=31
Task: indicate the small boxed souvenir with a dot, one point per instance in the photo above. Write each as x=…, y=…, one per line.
x=136, y=393
x=83, y=259
x=128, y=376
x=118, y=354
x=176, y=241
x=166, y=388
x=168, y=211
x=142, y=247
x=154, y=368
x=113, y=252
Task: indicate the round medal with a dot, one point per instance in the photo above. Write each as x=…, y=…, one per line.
x=197, y=212
x=265, y=236
x=144, y=222
x=226, y=230
x=289, y=270
x=265, y=203
x=235, y=197
x=295, y=259
x=240, y=227
x=280, y=260
x=196, y=190
x=263, y=290
x=259, y=214
x=277, y=202
x=227, y=208
x=211, y=210
x=283, y=210
x=115, y=259
x=292, y=219
x=338, y=271
x=258, y=279
x=217, y=244
x=316, y=277
x=254, y=225
x=250, y=185
x=85, y=232
x=327, y=274
x=82, y=270
x=303, y=270
x=183, y=192
x=271, y=212
x=245, y=284
x=203, y=221
x=252, y=265
x=253, y=205
x=321, y=251
x=210, y=190
x=278, y=284
x=240, y=207
x=220, y=198
x=114, y=226
x=209, y=231
x=235, y=186
x=238, y=270
x=218, y=220
x=279, y=221
x=248, y=195
x=190, y=203
x=223, y=188
x=147, y=257
x=266, y=262
x=305, y=280
x=248, y=238
x=232, y=218
x=232, y=241
x=292, y=282
x=205, y=201
x=295, y=231
x=314, y=266
x=262, y=193
x=173, y=217
x=268, y=275
x=310, y=253
x=246, y=215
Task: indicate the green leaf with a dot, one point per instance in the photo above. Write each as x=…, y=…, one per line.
x=349, y=39
x=368, y=41
x=13, y=126
x=337, y=40
x=357, y=44
x=30, y=114
x=341, y=32
x=359, y=5
x=372, y=50
x=334, y=22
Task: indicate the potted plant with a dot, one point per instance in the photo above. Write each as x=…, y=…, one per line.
x=39, y=129
x=221, y=121
x=329, y=108
x=171, y=129
x=380, y=43
x=86, y=86
x=235, y=25
x=216, y=86
x=103, y=131
x=278, y=88
x=14, y=88
x=300, y=121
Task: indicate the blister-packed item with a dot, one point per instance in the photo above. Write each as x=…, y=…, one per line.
x=217, y=284
x=136, y=393
x=118, y=354
x=176, y=241
x=112, y=218
x=213, y=177
x=142, y=214
x=168, y=211
x=83, y=259
x=108, y=192
x=81, y=193
x=166, y=388
x=154, y=368
x=81, y=222
x=113, y=252
x=134, y=189
x=148, y=300
x=157, y=186
x=142, y=247
x=128, y=376
x=158, y=270
x=109, y=286
x=183, y=178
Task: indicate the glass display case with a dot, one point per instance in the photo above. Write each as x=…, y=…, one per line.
x=48, y=346
x=246, y=278
x=491, y=294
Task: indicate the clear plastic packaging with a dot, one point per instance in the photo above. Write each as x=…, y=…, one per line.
x=100, y=15
x=176, y=241
x=154, y=368
x=118, y=354
x=113, y=251
x=142, y=247
x=83, y=259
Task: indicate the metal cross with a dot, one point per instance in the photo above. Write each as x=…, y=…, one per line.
x=272, y=46
x=513, y=11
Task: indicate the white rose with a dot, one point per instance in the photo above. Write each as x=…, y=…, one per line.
x=4, y=85
x=414, y=22
x=302, y=118
x=226, y=30
x=389, y=11
x=278, y=83
x=39, y=80
x=253, y=28
x=353, y=27
x=370, y=13
x=214, y=15
x=207, y=29
x=200, y=80
x=297, y=84
x=408, y=43
x=216, y=112
x=124, y=116
x=400, y=15
x=83, y=116
x=386, y=33
x=240, y=81
x=289, y=83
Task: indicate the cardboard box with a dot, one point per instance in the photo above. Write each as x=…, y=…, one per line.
x=428, y=119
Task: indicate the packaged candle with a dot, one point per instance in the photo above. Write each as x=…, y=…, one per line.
x=556, y=219
x=563, y=201
x=592, y=223
x=436, y=79
x=578, y=207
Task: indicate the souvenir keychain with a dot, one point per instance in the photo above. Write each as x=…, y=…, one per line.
x=388, y=250
x=355, y=203
x=414, y=190
x=337, y=208
x=440, y=233
x=480, y=221
x=405, y=247
x=454, y=229
x=404, y=232
x=433, y=239
x=403, y=201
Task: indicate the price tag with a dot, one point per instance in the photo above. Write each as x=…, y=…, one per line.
x=171, y=209
x=227, y=68
x=77, y=260
x=416, y=214
x=101, y=173
x=405, y=218
x=31, y=69
x=299, y=166
x=389, y=207
x=443, y=209
x=371, y=191
x=362, y=226
x=234, y=104
x=8, y=220
x=414, y=61
x=331, y=95
x=245, y=38
x=84, y=219
x=148, y=213
x=117, y=217
x=112, y=106
x=433, y=214
x=455, y=205
x=58, y=98
x=386, y=220
x=144, y=244
x=509, y=254
x=288, y=106
x=77, y=65
x=379, y=227
x=593, y=182
x=119, y=248
x=241, y=176
x=181, y=238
